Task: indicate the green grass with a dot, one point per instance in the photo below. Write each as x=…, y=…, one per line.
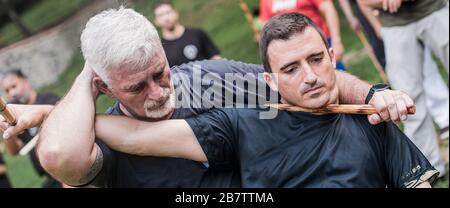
x=21, y=173
x=39, y=16
x=228, y=28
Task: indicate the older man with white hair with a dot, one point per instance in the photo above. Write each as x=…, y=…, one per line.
x=125, y=60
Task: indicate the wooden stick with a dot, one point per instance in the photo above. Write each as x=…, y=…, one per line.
x=347, y=109
x=7, y=113
x=250, y=19
x=29, y=146
x=372, y=56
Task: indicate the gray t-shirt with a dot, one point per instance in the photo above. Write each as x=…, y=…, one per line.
x=411, y=11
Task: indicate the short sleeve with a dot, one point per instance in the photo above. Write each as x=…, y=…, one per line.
x=264, y=9
x=102, y=179
x=214, y=131
x=208, y=46
x=406, y=165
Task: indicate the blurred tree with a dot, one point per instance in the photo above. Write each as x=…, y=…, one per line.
x=5, y=7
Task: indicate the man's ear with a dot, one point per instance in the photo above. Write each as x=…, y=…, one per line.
x=102, y=86
x=177, y=15
x=271, y=80
x=332, y=57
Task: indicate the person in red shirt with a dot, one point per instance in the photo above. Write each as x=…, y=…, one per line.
x=314, y=9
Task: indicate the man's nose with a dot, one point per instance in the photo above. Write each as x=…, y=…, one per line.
x=155, y=92
x=310, y=76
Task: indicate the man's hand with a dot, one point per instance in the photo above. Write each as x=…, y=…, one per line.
x=391, y=106
x=28, y=116
x=89, y=74
x=392, y=6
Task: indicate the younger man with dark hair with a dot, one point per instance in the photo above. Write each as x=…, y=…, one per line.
x=293, y=149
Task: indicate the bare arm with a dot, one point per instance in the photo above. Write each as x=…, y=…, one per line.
x=66, y=147
x=352, y=90
x=329, y=11
x=373, y=20
x=28, y=116
x=13, y=145
x=170, y=138
x=349, y=15
x=391, y=105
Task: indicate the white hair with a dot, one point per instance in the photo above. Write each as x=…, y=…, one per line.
x=117, y=38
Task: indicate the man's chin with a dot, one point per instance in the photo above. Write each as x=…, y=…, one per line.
x=159, y=114
x=315, y=104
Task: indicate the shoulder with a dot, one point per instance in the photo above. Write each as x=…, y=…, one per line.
x=351, y=122
x=223, y=65
x=194, y=31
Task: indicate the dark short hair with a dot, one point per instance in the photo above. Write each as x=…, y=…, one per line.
x=283, y=27
x=16, y=72
x=162, y=2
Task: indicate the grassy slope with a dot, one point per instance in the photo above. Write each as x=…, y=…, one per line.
x=226, y=25
x=41, y=15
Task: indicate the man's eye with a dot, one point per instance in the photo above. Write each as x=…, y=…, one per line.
x=159, y=75
x=290, y=69
x=317, y=60
x=136, y=89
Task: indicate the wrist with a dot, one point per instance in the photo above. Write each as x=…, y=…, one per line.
x=374, y=89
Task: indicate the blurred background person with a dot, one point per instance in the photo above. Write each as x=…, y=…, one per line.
x=322, y=12
x=18, y=90
x=408, y=27
x=181, y=44
x=436, y=91
x=4, y=182
x=359, y=23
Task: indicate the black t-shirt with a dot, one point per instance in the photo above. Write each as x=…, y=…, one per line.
x=124, y=170
x=305, y=150
x=4, y=182
x=193, y=45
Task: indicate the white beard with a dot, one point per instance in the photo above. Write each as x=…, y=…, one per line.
x=162, y=111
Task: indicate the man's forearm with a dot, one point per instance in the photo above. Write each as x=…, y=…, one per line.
x=66, y=144
x=351, y=89
x=346, y=8
x=170, y=138
x=13, y=145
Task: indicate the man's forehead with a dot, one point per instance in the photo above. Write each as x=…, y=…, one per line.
x=131, y=76
x=163, y=8
x=304, y=44
x=9, y=79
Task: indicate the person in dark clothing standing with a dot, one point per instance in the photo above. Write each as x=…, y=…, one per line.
x=181, y=44
x=18, y=90
x=358, y=21
x=4, y=183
